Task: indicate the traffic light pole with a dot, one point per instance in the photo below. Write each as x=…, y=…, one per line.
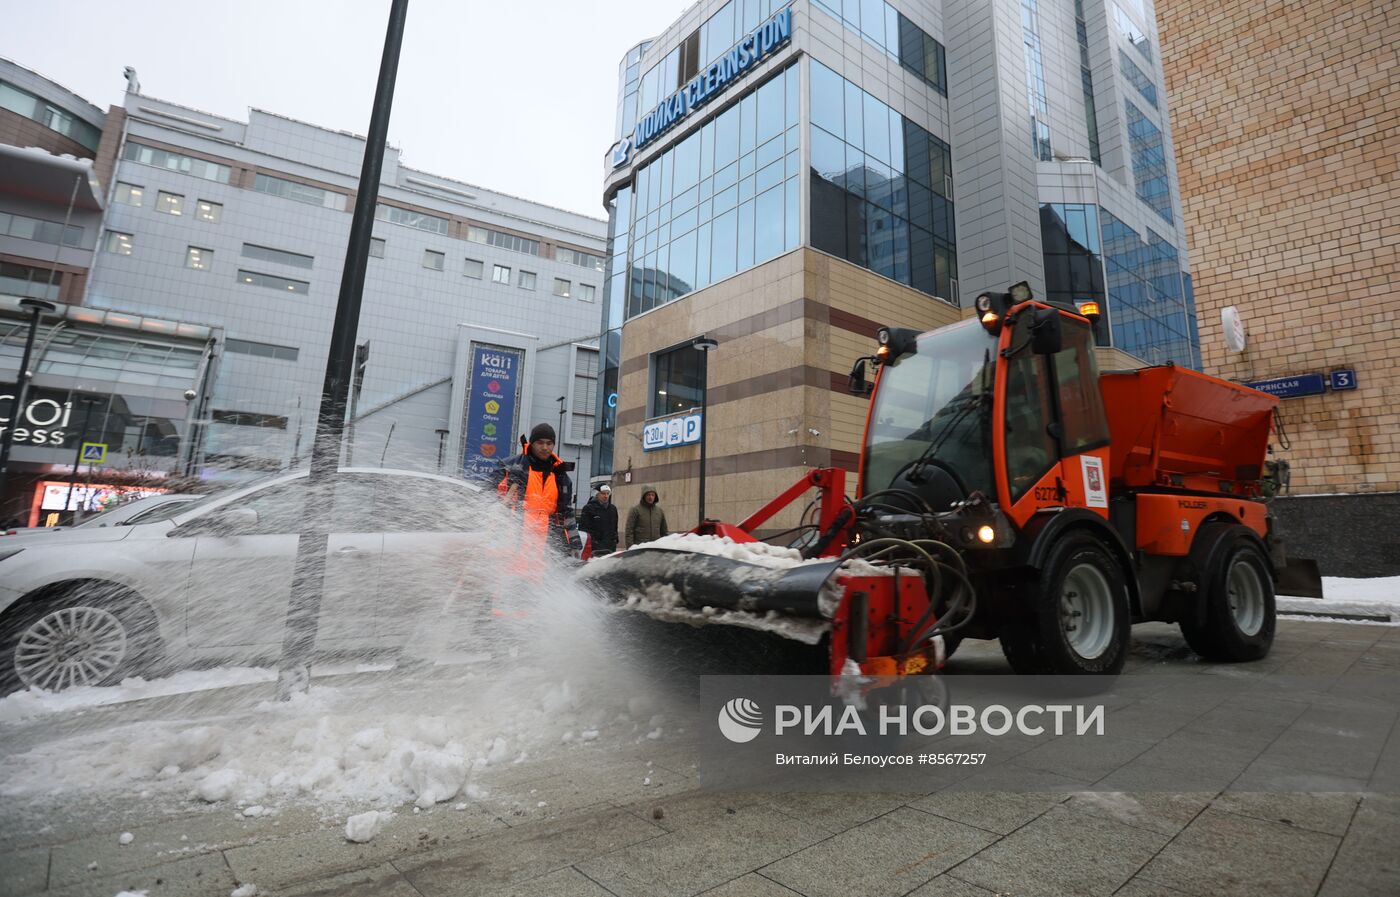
x=308, y=578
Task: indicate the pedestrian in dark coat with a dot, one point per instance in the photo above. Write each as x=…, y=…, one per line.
x=646, y=522
x=599, y=519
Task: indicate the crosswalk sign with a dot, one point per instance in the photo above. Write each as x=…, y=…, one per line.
x=94, y=453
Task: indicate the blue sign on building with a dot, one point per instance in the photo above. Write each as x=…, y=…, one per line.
x=714, y=80
x=672, y=431
x=1290, y=387
x=491, y=402
x=1342, y=380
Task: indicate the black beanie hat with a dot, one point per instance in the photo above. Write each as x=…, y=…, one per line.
x=542, y=431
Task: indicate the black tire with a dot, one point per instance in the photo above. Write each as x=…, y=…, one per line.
x=88, y=633
x=1238, y=605
x=1077, y=616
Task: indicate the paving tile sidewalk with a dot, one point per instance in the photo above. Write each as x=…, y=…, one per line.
x=602, y=833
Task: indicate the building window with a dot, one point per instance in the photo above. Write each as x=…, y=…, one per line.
x=1150, y=306
x=1086, y=82
x=434, y=260
x=159, y=158
x=25, y=228
x=585, y=292
x=129, y=194
x=1149, y=162
x=22, y=280
x=1138, y=78
x=376, y=247
x=249, y=419
x=500, y=274
x=24, y=103
x=561, y=287
x=582, y=408
x=675, y=381
x=576, y=257
x=472, y=268
x=881, y=188
x=274, y=282
x=278, y=256
x=170, y=203
x=409, y=218
x=198, y=258
x=526, y=280
x=205, y=210
x=297, y=192
x=118, y=243
x=1035, y=77
x=261, y=350
x=503, y=240
x=1132, y=33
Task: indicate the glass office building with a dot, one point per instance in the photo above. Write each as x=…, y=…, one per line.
x=938, y=148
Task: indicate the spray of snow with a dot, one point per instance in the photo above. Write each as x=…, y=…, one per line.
x=492, y=671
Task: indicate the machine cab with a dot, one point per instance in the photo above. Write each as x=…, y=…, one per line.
x=1005, y=404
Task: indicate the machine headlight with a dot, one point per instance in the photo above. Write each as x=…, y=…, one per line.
x=986, y=534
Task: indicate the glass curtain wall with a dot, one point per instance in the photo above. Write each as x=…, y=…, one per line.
x=1091, y=116
x=887, y=28
x=1035, y=78
x=1153, y=315
x=719, y=201
x=1073, y=250
x=882, y=188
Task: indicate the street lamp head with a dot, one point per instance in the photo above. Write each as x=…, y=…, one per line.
x=705, y=344
x=41, y=306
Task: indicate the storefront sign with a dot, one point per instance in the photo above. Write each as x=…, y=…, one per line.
x=44, y=421
x=91, y=497
x=710, y=83
x=1290, y=387
x=495, y=375
x=669, y=432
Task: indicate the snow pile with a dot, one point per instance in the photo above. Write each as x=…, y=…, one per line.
x=362, y=827
x=1375, y=600
x=663, y=602
x=33, y=702
x=249, y=890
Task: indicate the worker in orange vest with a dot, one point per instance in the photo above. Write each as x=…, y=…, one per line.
x=536, y=482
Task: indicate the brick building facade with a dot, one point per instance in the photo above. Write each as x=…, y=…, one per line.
x=1287, y=124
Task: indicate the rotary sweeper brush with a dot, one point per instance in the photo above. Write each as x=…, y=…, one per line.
x=1006, y=489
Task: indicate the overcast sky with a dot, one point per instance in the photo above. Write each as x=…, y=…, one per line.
x=515, y=95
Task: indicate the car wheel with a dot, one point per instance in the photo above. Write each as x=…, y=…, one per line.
x=1079, y=620
x=1239, y=612
x=90, y=634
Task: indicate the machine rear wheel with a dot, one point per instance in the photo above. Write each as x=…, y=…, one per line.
x=1079, y=618
x=1239, y=606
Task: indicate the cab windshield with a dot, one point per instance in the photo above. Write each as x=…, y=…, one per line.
x=936, y=404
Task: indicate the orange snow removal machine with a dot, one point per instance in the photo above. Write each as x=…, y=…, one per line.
x=1007, y=489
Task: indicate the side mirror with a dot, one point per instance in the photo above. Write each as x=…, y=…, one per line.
x=858, y=384
x=1046, y=338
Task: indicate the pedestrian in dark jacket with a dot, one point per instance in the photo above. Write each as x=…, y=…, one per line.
x=536, y=483
x=599, y=519
x=646, y=522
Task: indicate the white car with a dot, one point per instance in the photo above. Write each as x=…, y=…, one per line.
x=92, y=605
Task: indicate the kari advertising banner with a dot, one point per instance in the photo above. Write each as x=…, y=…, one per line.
x=492, y=397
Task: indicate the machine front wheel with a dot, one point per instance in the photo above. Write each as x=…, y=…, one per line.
x=1079, y=620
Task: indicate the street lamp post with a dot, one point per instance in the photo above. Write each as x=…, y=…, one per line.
x=559, y=436
x=442, y=445
x=309, y=570
x=37, y=309
x=705, y=345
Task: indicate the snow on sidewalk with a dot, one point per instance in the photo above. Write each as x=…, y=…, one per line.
x=1374, y=600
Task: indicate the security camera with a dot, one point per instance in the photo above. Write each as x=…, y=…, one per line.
x=190, y=394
